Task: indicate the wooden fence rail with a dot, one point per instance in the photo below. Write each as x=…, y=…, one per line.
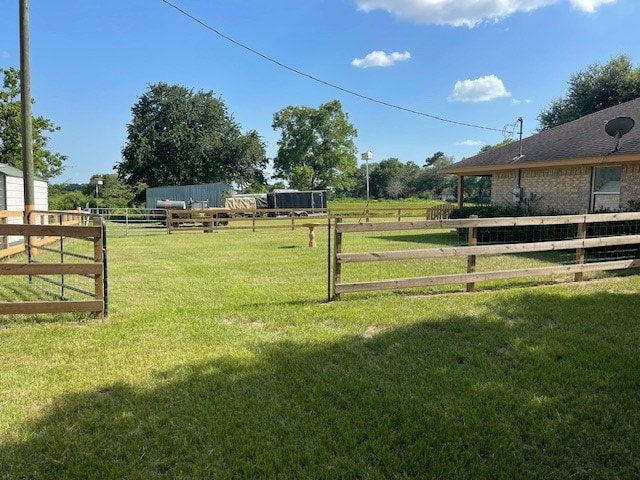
x=7, y=246
x=472, y=250
x=290, y=218
x=36, y=238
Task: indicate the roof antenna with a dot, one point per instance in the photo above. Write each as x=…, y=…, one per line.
x=617, y=127
x=520, y=154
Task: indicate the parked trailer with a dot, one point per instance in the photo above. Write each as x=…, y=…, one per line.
x=291, y=202
x=303, y=203
x=183, y=210
x=246, y=204
x=278, y=203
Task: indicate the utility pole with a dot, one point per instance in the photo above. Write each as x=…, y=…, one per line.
x=25, y=109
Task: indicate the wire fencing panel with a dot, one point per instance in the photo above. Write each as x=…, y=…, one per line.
x=124, y=222
x=430, y=254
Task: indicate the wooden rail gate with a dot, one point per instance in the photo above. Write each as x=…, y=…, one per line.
x=92, y=265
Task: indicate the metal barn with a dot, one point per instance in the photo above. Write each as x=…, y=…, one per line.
x=210, y=192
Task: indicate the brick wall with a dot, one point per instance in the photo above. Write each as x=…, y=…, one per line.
x=502, y=184
x=561, y=190
x=629, y=185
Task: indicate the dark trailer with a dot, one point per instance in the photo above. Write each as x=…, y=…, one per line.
x=300, y=203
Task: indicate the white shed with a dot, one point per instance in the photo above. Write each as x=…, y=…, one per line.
x=12, y=194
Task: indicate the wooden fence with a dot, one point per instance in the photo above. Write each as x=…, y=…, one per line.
x=11, y=244
x=212, y=219
x=7, y=246
x=472, y=251
x=38, y=239
x=255, y=219
x=436, y=212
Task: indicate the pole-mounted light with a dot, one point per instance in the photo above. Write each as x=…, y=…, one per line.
x=366, y=156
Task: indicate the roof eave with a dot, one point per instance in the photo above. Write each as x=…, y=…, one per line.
x=565, y=162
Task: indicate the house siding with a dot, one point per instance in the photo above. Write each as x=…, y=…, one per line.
x=3, y=193
x=15, y=193
x=12, y=199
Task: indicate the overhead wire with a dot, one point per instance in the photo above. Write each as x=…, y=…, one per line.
x=324, y=82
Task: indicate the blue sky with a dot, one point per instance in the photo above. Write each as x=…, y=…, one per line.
x=479, y=62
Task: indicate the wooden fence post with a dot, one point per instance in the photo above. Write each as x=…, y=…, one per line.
x=329, y=251
x=98, y=257
x=337, y=266
x=472, y=241
x=582, y=234
x=4, y=239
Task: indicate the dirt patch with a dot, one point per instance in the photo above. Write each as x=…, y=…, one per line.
x=372, y=330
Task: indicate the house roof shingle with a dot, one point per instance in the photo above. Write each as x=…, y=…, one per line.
x=582, y=141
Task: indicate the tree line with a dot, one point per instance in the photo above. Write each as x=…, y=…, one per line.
x=178, y=136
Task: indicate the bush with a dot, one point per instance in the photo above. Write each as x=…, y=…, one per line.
x=489, y=211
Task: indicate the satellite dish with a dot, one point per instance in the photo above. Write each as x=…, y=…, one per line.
x=617, y=127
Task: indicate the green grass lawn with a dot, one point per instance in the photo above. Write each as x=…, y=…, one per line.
x=382, y=206
x=222, y=359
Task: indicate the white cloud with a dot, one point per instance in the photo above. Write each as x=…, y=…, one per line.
x=466, y=13
x=483, y=89
x=471, y=143
x=589, y=6
x=516, y=101
x=378, y=58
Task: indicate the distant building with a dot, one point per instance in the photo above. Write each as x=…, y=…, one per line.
x=211, y=193
x=12, y=190
x=12, y=197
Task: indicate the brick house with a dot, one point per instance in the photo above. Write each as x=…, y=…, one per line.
x=567, y=169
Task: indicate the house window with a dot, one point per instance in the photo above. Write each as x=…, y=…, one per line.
x=605, y=189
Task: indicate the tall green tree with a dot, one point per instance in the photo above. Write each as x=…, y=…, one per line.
x=429, y=183
x=181, y=137
x=316, y=148
x=113, y=192
x=593, y=89
x=67, y=200
x=388, y=179
x=46, y=164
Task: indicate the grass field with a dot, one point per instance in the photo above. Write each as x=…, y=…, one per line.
x=222, y=359
x=380, y=207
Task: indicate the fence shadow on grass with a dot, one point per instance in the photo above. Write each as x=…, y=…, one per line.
x=539, y=387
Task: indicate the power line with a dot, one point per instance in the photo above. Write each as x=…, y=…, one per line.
x=323, y=82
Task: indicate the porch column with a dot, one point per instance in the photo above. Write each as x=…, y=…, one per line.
x=460, y=190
